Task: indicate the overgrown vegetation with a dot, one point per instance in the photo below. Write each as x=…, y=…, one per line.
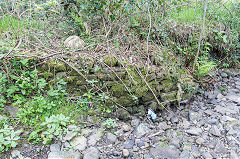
x=161, y=33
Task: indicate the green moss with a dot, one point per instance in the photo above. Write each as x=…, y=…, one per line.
x=171, y=96
x=168, y=85
x=46, y=75
x=110, y=61
x=148, y=97
x=81, y=82
x=126, y=101
x=140, y=91
x=118, y=90
x=123, y=114
x=73, y=73
x=57, y=65
x=105, y=77
x=70, y=79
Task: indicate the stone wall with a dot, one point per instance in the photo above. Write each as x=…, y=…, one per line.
x=128, y=85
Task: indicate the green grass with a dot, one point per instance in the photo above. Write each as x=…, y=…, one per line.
x=12, y=24
x=187, y=14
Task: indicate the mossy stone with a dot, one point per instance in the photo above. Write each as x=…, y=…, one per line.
x=81, y=82
x=73, y=73
x=70, y=79
x=123, y=114
x=118, y=90
x=148, y=97
x=154, y=106
x=105, y=77
x=57, y=65
x=140, y=91
x=46, y=75
x=170, y=96
x=110, y=61
x=126, y=101
x=168, y=85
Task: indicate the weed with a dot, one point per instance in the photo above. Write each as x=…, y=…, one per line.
x=55, y=127
x=109, y=123
x=8, y=137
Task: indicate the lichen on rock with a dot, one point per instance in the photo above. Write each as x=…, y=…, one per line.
x=111, y=61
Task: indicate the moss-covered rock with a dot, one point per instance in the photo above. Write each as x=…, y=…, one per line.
x=58, y=66
x=154, y=106
x=118, y=90
x=46, y=75
x=105, y=77
x=168, y=85
x=81, y=82
x=170, y=96
x=148, y=97
x=140, y=91
x=123, y=114
x=70, y=79
x=126, y=101
x=110, y=61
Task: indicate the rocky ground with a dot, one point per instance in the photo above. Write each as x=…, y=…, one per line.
x=206, y=127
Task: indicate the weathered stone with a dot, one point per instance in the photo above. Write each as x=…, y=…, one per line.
x=219, y=148
x=200, y=141
x=125, y=152
x=194, y=116
x=129, y=143
x=111, y=138
x=69, y=136
x=233, y=155
x=235, y=98
x=15, y=153
x=164, y=126
x=141, y=130
x=165, y=152
x=126, y=127
x=207, y=155
x=55, y=147
x=194, y=131
x=135, y=122
x=12, y=110
x=186, y=155
x=215, y=131
x=123, y=114
x=174, y=120
x=79, y=142
x=91, y=153
x=74, y=42
x=223, y=110
x=64, y=155
x=95, y=137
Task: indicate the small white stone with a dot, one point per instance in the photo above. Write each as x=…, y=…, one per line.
x=125, y=153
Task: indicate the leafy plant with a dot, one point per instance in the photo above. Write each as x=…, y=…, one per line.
x=36, y=110
x=204, y=68
x=54, y=126
x=8, y=137
x=109, y=123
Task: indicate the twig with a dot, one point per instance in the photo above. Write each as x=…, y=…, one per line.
x=201, y=34
x=149, y=30
x=140, y=74
x=15, y=47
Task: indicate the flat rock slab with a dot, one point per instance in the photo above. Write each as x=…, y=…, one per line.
x=80, y=142
x=194, y=131
x=64, y=155
x=141, y=130
x=91, y=153
x=165, y=152
x=235, y=98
